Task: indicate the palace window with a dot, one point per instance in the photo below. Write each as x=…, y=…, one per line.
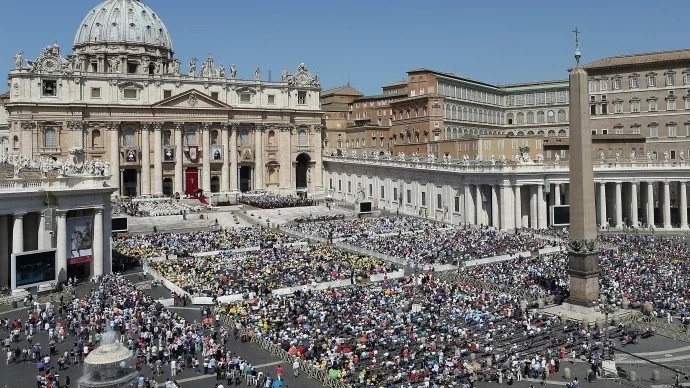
x=635, y=106
x=214, y=95
x=671, y=104
x=562, y=96
x=95, y=92
x=686, y=78
x=651, y=80
x=167, y=93
x=652, y=105
x=617, y=83
x=271, y=99
x=439, y=201
x=670, y=78
x=618, y=107
x=423, y=198
x=653, y=130
x=603, y=85
x=550, y=97
x=50, y=138
x=245, y=98
x=635, y=129
x=541, y=98
x=214, y=137
x=530, y=117
x=592, y=85
x=302, y=98
x=167, y=137
x=561, y=116
x=409, y=196
x=49, y=88
x=634, y=82
x=672, y=130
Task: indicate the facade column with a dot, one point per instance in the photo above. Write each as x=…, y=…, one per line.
x=285, y=151
x=557, y=194
x=114, y=134
x=98, y=242
x=18, y=233
x=495, y=218
x=259, y=168
x=469, y=205
x=317, y=174
x=683, y=204
x=479, y=205
x=206, y=159
x=61, y=244
x=233, y=157
x=602, y=205
x=634, y=216
x=507, y=216
x=518, y=207
x=533, y=212
x=145, y=160
x=4, y=252
x=542, y=207
x=179, y=159
x=667, y=205
x=41, y=230
x=619, y=205
x=650, y=204
x=157, y=160
x=224, y=171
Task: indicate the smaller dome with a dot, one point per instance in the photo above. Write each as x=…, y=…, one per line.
x=123, y=21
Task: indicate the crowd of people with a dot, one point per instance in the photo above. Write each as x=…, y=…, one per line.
x=265, y=270
x=154, y=207
x=321, y=218
x=185, y=244
x=370, y=336
x=422, y=241
x=275, y=201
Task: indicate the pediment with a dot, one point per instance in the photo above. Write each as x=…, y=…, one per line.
x=191, y=99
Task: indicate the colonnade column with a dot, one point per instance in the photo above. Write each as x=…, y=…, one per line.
x=157, y=160
x=556, y=194
x=114, y=134
x=224, y=178
x=18, y=233
x=98, y=242
x=618, y=222
x=145, y=160
x=469, y=205
x=667, y=205
x=4, y=252
x=206, y=159
x=233, y=157
x=683, y=205
x=650, y=203
x=507, y=215
x=602, y=204
x=479, y=204
x=533, y=212
x=518, y=207
x=61, y=244
x=259, y=167
x=41, y=230
x=543, y=222
x=634, y=216
x=179, y=159
x=495, y=213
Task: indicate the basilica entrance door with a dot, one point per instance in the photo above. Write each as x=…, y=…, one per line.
x=191, y=180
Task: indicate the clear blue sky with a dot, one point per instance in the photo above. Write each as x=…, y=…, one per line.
x=376, y=41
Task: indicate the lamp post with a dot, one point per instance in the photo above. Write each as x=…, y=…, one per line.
x=607, y=305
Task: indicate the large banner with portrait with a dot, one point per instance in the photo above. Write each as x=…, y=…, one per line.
x=79, y=239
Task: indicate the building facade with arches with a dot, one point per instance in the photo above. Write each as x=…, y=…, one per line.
x=122, y=97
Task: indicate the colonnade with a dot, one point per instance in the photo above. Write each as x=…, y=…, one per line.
x=22, y=241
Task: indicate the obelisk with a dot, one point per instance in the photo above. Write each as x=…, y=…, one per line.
x=583, y=257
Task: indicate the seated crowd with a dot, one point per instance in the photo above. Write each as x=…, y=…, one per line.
x=154, y=207
x=321, y=218
x=274, y=201
x=365, y=226
x=184, y=244
x=368, y=336
x=268, y=269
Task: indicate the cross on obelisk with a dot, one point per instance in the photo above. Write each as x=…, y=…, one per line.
x=583, y=257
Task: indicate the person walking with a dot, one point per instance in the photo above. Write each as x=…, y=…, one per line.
x=295, y=367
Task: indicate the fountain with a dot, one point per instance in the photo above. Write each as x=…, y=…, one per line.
x=111, y=365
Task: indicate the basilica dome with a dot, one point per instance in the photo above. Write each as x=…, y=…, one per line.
x=123, y=22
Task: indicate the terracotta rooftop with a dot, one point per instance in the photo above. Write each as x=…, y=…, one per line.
x=640, y=59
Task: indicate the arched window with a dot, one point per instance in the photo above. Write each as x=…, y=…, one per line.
x=271, y=138
x=552, y=133
x=214, y=137
x=302, y=138
x=510, y=118
x=130, y=137
x=480, y=116
x=551, y=116
x=540, y=117
x=15, y=142
x=562, y=133
x=520, y=133
x=520, y=118
x=530, y=117
x=96, y=138
x=453, y=112
x=561, y=115
x=244, y=137
x=448, y=116
x=530, y=133
x=540, y=132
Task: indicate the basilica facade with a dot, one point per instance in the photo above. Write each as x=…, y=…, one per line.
x=122, y=98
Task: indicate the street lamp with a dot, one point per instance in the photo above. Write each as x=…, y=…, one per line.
x=607, y=306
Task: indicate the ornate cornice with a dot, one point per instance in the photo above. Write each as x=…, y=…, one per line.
x=112, y=125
